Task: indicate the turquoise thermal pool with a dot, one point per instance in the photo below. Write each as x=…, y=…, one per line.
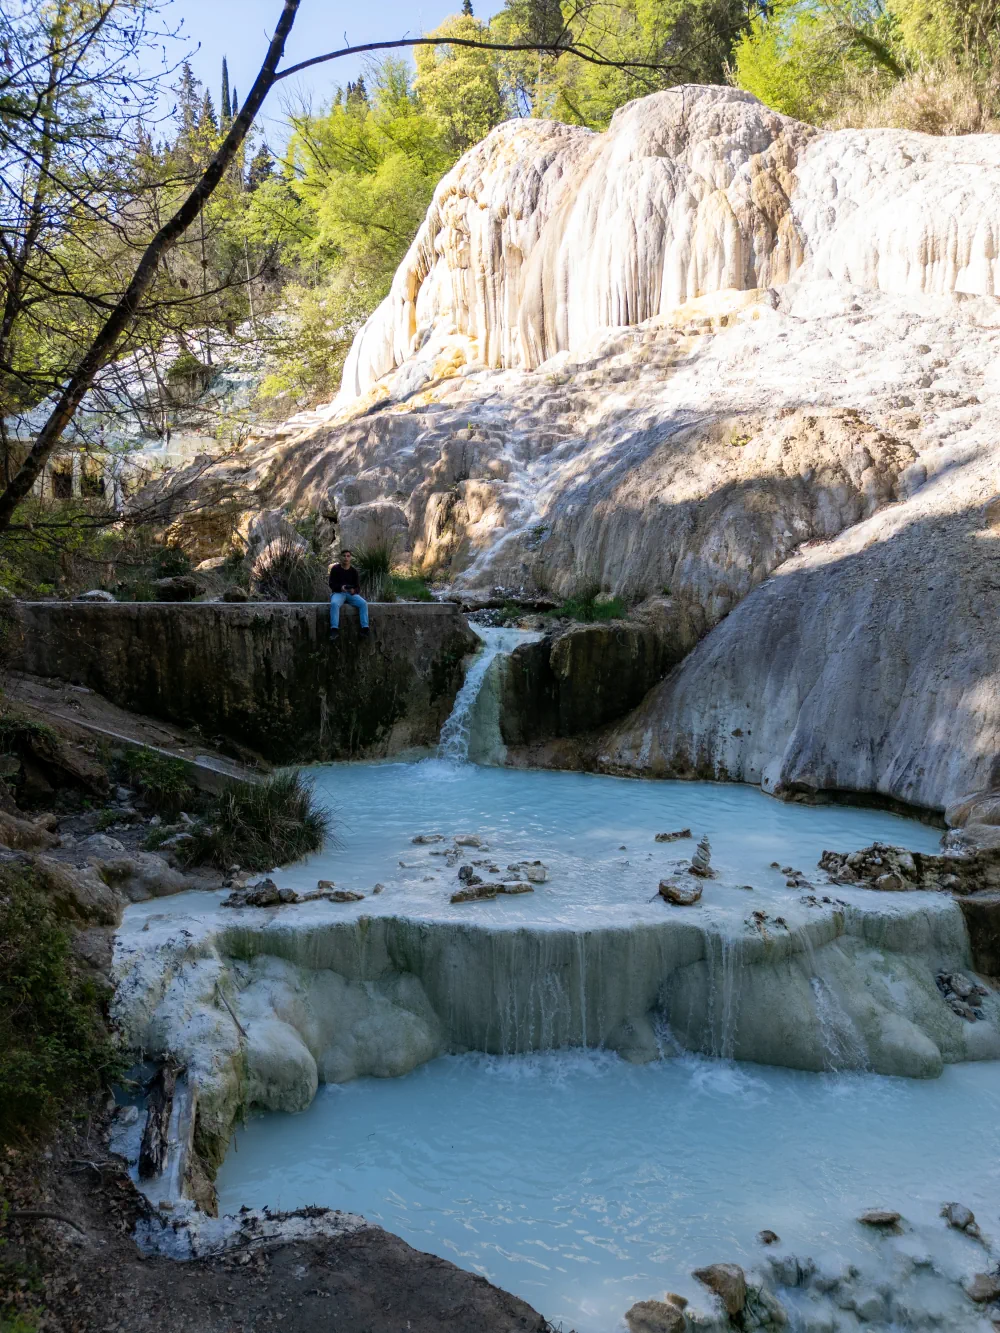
x=584, y=1184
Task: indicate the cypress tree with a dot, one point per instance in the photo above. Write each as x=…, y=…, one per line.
x=227, y=109
x=236, y=102
x=467, y=8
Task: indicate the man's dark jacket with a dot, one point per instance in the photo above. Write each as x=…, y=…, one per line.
x=344, y=580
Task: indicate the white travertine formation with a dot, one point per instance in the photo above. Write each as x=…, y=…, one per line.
x=543, y=234
x=315, y=998
x=728, y=365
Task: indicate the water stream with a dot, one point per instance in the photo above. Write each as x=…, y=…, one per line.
x=453, y=745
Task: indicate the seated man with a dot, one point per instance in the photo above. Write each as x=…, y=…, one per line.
x=345, y=586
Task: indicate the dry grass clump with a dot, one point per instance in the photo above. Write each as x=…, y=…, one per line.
x=946, y=98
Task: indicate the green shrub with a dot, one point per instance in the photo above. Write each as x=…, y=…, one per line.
x=155, y=838
x=160, y=779
x=288, y=572
x=411, y=588
x=259, y=825
x=374, y=563
x=587, y=608
x=54, y=1046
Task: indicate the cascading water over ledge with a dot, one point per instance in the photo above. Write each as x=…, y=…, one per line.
x=326, y=992
x=457, y=732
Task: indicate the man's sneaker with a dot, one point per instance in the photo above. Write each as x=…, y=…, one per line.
x=365, y=629
x=334, y=635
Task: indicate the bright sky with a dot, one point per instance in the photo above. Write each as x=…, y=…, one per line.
x=240, y=31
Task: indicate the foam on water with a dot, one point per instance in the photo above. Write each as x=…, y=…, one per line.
x=584, y=1184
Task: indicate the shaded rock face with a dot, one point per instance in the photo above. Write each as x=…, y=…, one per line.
x=580, y=679
x=263, y=676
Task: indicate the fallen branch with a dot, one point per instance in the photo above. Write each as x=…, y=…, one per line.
x=239, y=1026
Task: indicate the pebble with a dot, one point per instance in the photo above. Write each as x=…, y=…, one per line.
x=768, y=1238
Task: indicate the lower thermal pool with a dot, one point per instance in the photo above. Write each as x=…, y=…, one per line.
x=584, y=1184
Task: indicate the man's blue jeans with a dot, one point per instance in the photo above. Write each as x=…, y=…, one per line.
x=337, y=601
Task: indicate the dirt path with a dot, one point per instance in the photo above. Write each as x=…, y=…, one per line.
x=97, y=1281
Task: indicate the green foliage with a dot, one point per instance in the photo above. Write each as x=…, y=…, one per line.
x=460, y=86
x=22, y=1322
x=68, y=547
x=54, y=1047
x=411, y=588
x=374, y=563
x=691, y=41
x=587, y=608
x=356, y=183
x=259, y=825
x=800, y=58
x=930, y=65
x=161, y=779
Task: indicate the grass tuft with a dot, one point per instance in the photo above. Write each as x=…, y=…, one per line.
x=161, y=780
x=374, y=562
x=587, y=608
x=411, y=588
x=259, y=825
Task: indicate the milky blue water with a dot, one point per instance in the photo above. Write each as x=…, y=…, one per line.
x=596, y=835
x=584, y=1184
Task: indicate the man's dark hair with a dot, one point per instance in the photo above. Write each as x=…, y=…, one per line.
x=348, y=551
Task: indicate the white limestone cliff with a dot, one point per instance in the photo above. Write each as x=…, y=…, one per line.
x=729, y=366
x=545, y=234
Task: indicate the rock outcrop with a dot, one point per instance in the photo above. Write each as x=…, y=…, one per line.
x=720, y=360
x=259, y=677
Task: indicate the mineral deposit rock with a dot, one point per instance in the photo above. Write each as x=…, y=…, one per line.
x=682, y=895
x=729, y=1283
x=655, y=1317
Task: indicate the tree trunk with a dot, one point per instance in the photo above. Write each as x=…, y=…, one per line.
x=123, y=316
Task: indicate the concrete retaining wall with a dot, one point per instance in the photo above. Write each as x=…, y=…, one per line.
x=259, y=677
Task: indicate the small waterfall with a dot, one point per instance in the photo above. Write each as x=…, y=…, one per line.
x=456, y=733
x=725, y=956
x=843, y=1045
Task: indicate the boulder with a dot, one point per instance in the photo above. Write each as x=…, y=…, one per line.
x=25, y=835
x=78, y=893
x=343, y=896
x=178, y=588
x=235, y=594
x=95, y=595
x=961, y=1218
x=655, y=1317
x=882, y=1219
x=729, y=1283
x=983, y=1287
x=681, y=895
x=673, y=837
x=534, y=871
x=140, y=875
x=768, y=1238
